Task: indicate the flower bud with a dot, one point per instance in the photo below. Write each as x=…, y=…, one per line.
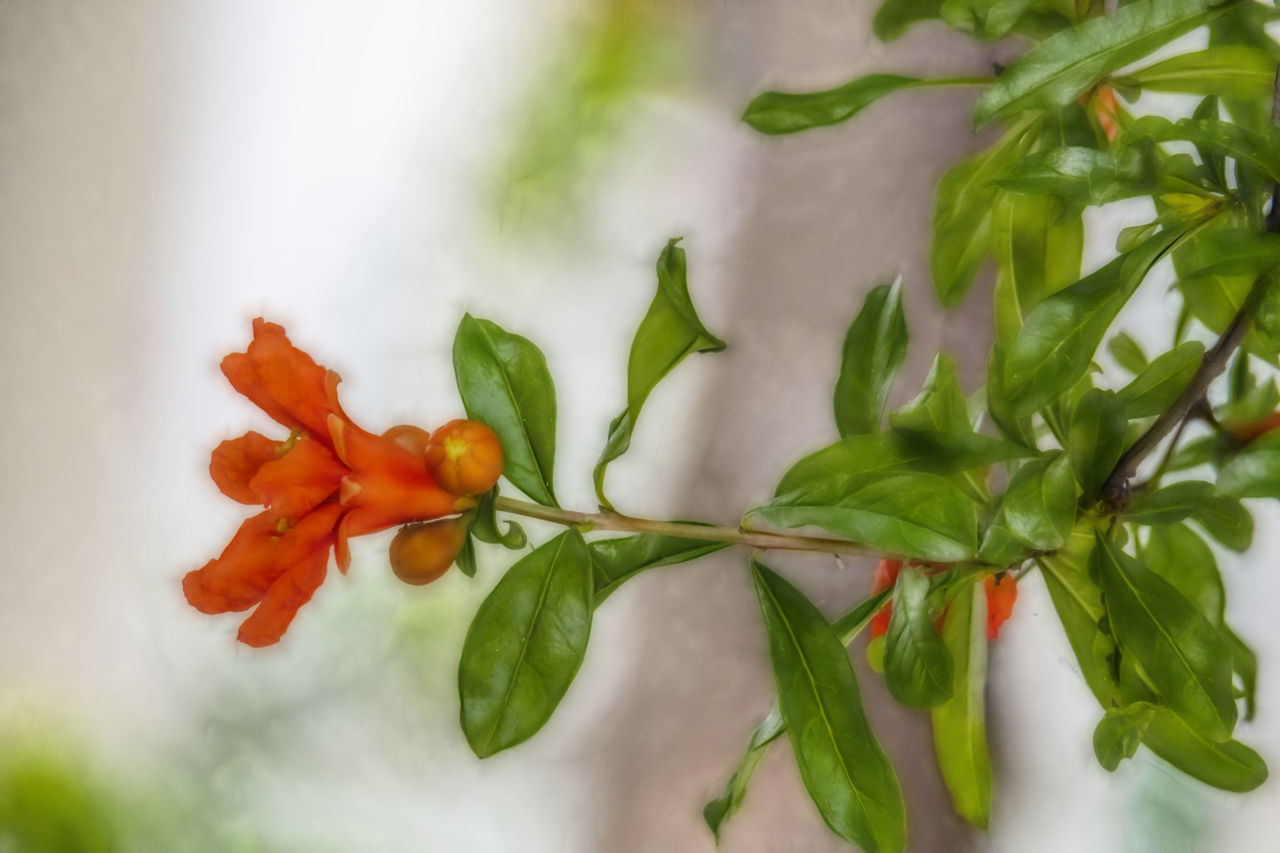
x=420, y=553
x=464, y=457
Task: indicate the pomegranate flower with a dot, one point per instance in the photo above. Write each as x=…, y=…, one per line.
x=327, y=481
x=1001, y=595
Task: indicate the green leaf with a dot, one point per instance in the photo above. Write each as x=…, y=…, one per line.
x=1229, y=765
x=1255, y=470
x=466, y=559
x=1222, y=515
x=1119, y=733
x=1059, y=69
x=669, y=332
x=940, y=406
x=1232, y=251
x=504, y=383
x=1228, y=71
x=1258, y=150
x=1078, y=602
x=777, y=113
x=1056, y=346
x=1158, y=385
x=485, y=526
x=874, y=348
x=1245, y=663
x=960, y=723
x=999, y=546
x=1182, y=558
x=1096, y=438
x=986, y=19
x=842, y=765
x=525, y=645
x=1182, y=654
x=718, y=811
x=615, y=561
x=1037, y=250
x=1128, y=353
x=917, y=666
x=1000, y=407
x=963, y=216
x=916, y=515
x=1039, y=505
x=1086, y=176
x=894, y=16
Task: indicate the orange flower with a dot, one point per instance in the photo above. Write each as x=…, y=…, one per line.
x=886, y=576
x=1246, y=431
x=329, y=480
x=1001, y=594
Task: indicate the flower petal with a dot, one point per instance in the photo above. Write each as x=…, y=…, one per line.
x=235, y=461
x=282, y=380
x=240, y=576
x=298, y=481
x=301, y=558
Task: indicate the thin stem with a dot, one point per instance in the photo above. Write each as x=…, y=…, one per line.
x=729, y=535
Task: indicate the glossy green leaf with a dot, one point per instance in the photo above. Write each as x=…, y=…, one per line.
x=1176, y=553
x=843, y=767
x=873, y=351
x=1119, y=733
x=999, y=547
x=1245, y=663
x=1087, y=176
x=1221, y=515
x=504, y=382
x=1078, y=602
x=669, y=332
x=918, y=669
x=525, y=645
x=777, y=113
x=1229, y=71
x=1096, y=438
x=940, y=406
x=1227, y=520
x=986, y=19
x=1057, y=343
x=923, y=516
x=466, y=559
x=1232, y=251
x=1127, y=352
x=960, y=723
x=1037, y=248
x=1158, y=385
x=1229, y=765
x=963, y=218
x=1016, y=427
x=718, y=811
x=615, y=561
x=950, y=452
x=1040, y=503
x=1059, y=69
x=1255, y=470
x=1260, y=151
x=895, y=16
x=1182, y=654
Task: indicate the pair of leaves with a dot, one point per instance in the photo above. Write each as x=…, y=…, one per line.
x=1222, y=515
x=1229, y=765
x=1059, y=69
x=1037, y=247
x=841, y=763
x=669, y=332
x=1158, y=384
x=1228, y=71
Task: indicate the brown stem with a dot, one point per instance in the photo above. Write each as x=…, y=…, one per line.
x=1116, y=488
x=729, y=535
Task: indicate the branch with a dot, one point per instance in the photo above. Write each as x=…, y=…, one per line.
x=728, y=535
x=1116, y=488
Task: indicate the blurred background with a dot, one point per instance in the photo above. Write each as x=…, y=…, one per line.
x=364, y=173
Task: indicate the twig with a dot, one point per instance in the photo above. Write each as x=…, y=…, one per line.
x=729, y=535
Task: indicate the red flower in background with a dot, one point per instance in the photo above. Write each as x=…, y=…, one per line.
x=327, y=481
x=1001, y=594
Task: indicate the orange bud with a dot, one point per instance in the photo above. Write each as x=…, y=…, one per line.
x=1245, y=432
x=420, y=553
x=464, y=457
